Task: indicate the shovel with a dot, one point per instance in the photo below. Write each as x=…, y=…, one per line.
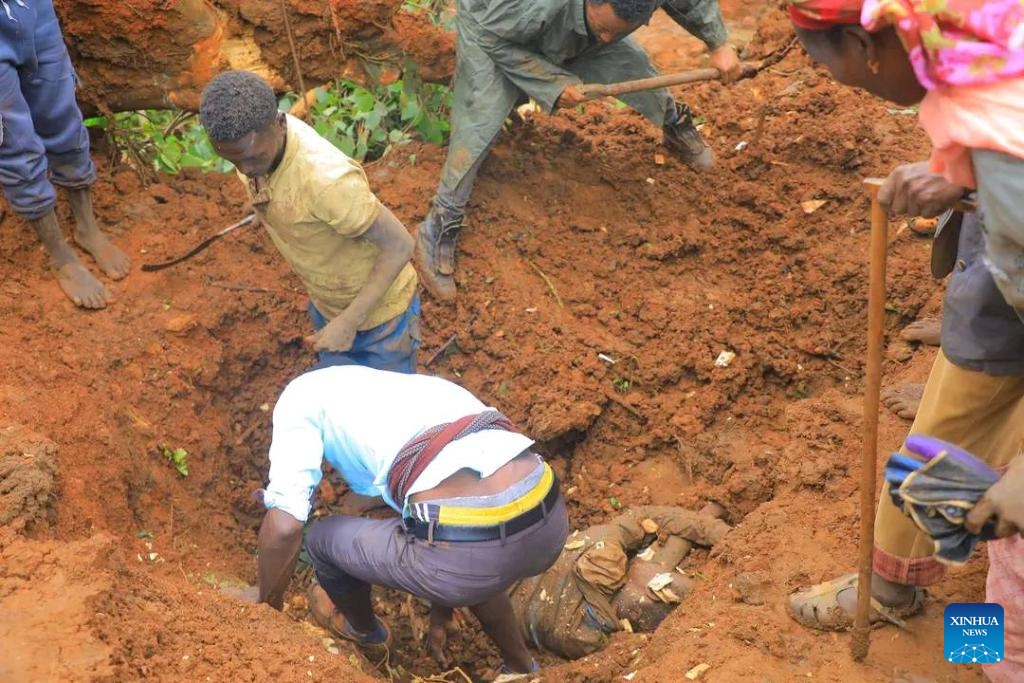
x=593, y=91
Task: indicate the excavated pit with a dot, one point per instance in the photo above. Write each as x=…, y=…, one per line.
x=656, y=268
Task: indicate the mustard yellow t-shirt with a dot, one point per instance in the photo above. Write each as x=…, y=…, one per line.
x=316, y=206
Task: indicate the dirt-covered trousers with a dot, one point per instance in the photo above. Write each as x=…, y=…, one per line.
x=40, y=123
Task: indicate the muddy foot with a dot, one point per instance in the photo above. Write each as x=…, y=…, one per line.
x=903, y=399
x=81, y=287
x=926, y=331
x=114, y=262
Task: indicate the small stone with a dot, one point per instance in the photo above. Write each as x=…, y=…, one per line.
x=695, y=673
x=659, y=159
x=180, y=323
x=649, y=526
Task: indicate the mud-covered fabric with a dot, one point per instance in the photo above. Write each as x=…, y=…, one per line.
x=567, y=610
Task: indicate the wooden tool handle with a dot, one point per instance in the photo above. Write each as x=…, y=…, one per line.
x=593, y=91
x=966, y=205
x=872, y=395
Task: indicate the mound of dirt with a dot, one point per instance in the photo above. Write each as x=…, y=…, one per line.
x=28, y=468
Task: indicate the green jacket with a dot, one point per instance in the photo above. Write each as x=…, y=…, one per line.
x=533, y=40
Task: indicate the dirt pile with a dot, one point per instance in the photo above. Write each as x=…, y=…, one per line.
x=28, y=463
x=650, y=272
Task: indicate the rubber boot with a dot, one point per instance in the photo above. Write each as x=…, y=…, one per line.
x=434, y=256
x=685, y=142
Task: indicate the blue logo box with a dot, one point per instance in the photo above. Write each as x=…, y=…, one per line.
x=973, y=633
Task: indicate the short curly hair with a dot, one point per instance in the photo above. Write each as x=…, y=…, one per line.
x=236, y=103
x=633, y=11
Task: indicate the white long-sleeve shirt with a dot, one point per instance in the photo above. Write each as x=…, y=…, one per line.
x=358, y=419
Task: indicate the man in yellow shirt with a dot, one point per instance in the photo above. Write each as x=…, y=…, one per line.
x=350, y=252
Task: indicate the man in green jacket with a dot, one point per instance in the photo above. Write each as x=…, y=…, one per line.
x=508, y=50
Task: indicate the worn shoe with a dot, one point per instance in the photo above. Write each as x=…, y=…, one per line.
x=506, y=676
x=684, y=141
x=819, y=607
x=434, y=256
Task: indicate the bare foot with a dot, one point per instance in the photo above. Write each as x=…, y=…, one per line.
x=926, y=331
x=81, y=287
x=114, y=262
x=903, y=399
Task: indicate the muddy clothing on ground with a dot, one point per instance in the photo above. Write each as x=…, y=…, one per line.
x=40, y=123
x=974, y=398
x=510, y=49
x=359, y=420
x=568, y=609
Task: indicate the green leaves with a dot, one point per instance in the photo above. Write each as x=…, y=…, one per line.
x=178, y=458
x=364, y=123
x=164, y=140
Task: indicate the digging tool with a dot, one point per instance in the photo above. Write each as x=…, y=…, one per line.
x=872, y=399
x=150, y=267
x=593, y=91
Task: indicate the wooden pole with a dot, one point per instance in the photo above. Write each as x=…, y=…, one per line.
x=593, y=91
x=872, y=393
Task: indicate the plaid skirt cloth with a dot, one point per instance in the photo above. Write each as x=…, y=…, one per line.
x=1005, y=586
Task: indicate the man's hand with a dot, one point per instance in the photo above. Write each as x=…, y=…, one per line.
x=1004, y=501
x=250, y=594
x=570, y=97
x=337, y=335
x=913, y=190
x=725, y=59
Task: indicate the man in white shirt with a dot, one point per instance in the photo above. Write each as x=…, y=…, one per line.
x=479, y=510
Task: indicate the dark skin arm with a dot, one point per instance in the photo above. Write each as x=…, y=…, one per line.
x=396, y=247
x=279, y=542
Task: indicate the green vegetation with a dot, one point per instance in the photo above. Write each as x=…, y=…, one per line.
x=178, y=457
x=364, y=123
x=437, y=11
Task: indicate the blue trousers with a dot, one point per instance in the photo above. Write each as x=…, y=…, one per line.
x=390, y=346
x=40, y=123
